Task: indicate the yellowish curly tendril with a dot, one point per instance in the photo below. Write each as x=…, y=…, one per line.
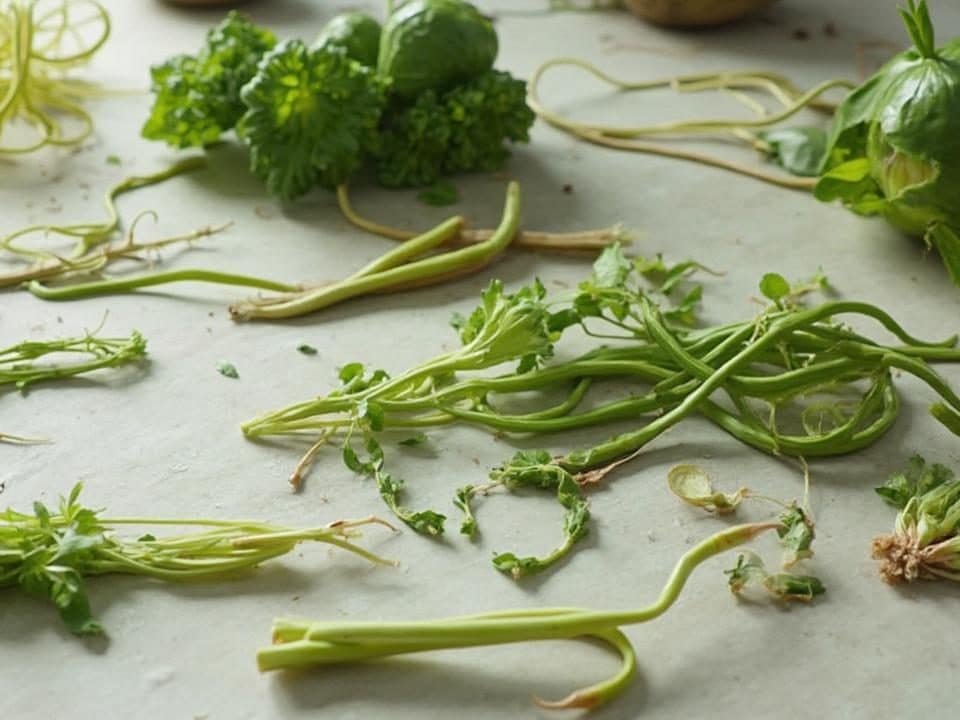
x=41, y=42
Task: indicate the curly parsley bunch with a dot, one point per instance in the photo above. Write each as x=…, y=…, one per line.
x=316, y=115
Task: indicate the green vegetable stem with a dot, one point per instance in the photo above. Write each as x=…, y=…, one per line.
x=586, y=240
x=400, y=268
x=792, y=381
x=50, y=553
x=301, y=643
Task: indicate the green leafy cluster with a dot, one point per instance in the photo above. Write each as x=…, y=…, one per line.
x=311, y=116
x=894, y=146
x=198, y=96
x=315, y=115
x=462, y=130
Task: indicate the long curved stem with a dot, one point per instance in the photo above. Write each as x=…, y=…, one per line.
x=125, y=285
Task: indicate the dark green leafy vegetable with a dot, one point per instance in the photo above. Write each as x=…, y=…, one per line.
x=925, y=542
x=311, y=116
x=305, y=349
x=315, y=116
x=462, y=130
x=894, y=147
x=435, y=45
x=356, y=33
x=198, y=97
x=50, y=553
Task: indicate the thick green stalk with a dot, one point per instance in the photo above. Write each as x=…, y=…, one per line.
x=424, y=271
x=306, y=643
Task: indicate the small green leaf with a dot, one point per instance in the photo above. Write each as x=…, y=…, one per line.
x=228, y=370
x=373, y=413
x=796, y=536
x=611, y=269
x=414, y=440
x=307, y=349
x=749, y=570
x=113, y=160
x=462, y=501
x=774, y=286
x=441, y=193
x=350, y=371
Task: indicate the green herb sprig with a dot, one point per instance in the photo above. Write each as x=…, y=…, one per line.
x=50, y=553
x=31, y=361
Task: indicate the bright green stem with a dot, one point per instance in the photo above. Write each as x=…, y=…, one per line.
x=307, y=643
x=412, y=248
x=948, y=417
x=580, y=460
x=425, y=271
x=125, y=285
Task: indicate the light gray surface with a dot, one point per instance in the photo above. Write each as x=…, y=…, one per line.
x=164, y=440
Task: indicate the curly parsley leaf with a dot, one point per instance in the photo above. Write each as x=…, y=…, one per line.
x=197, y=98
x=462, y=130
x=312, y=114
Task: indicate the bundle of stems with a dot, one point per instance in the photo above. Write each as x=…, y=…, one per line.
x=50, y=553
x=788, y=357
x=792, y=381
x=420, y=260
x=19, y=366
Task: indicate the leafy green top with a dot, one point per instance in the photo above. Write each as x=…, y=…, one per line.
x=198, y=97
x=461, y=130
x=311, y=116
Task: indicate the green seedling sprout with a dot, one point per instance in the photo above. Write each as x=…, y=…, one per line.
x=925, y=542
x=800, y=383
